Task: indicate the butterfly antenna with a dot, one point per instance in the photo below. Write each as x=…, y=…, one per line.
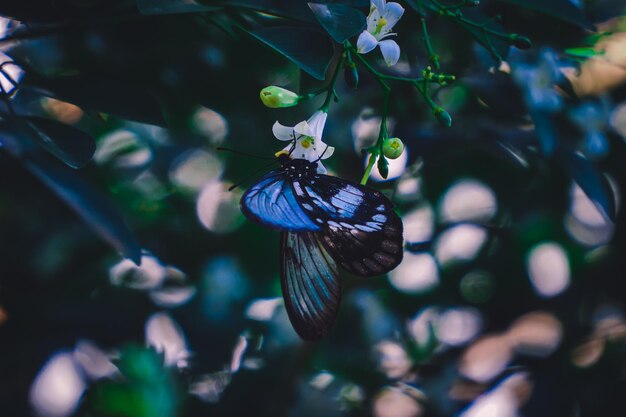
x=243, y=153
x=293, y=144
x=322, y=155
x=264, y=167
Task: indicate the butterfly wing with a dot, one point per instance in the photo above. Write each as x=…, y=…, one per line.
x=361, y=230
x=310, y=284
x=271, y=202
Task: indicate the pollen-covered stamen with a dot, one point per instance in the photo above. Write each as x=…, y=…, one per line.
x=306, y=142
x=379, y=26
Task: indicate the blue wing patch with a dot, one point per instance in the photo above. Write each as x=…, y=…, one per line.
x=272, y=203
x=310, y=283
x=360, y=229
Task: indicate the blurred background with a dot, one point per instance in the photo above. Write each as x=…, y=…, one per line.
x=510, y=300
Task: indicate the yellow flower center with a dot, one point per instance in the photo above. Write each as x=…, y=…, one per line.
x=306, y=142
x=380, y=25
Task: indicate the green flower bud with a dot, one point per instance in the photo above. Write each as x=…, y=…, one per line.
x=393, y=148
x=520, y=42
x=383, y=167
x=351, y=75
x=443, y=116
x=277, y=97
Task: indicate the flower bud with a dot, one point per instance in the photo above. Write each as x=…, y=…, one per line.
x=393, y=148
x=520, y=42
x=277, y=97
x=443, y=116
x=383, y=167
x=351, y=75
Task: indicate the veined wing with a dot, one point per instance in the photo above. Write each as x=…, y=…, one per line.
x=360, y=228
x=272, y=203
x=310, y=284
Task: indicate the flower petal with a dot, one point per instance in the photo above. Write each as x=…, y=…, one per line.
x=379, y=4
x=282, y=132
x=372, y=20
x=316, y=123
x=299, y=152
x=393, y=12
x=289, y=148
x=390, y=50
x=325, y=151
x=366, y=42
x=302, y=128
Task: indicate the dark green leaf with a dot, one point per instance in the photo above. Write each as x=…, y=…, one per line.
x=561, y=9
x=307, y=48
x=149, y=7
x=340, y=21
x=118, y=98
x=295, y=9
x=593, y=183
x=70, y=145
x=94, y=208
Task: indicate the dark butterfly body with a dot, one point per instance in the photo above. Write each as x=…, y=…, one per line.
x=327, y=223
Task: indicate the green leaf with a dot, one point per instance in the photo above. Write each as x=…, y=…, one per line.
x=561, y=9
x=593, y=183
x=294, y=9
x=70, y=145
x=583, y=52
x=340, y=21
x=307, y=48
x=90, y=205
x=152, y=7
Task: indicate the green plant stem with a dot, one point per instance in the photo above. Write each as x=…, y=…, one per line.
x=423, y=90
x=379, y=75
x=432, y=56
x=443, y=10
x=368, y=168
x=377, y=150
x=330, y=88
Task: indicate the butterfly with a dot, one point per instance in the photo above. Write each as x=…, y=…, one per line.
x=326, y=223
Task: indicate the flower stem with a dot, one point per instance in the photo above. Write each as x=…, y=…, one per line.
x=432, y=56
x=330, y=89
x=368, y=169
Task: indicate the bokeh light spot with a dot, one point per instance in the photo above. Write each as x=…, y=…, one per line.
x=193, y=169
x=416, y=273
x=263, y=309
x=218, y=208
x=548, y=269
x=211, y=124
x=393, y=402
x=486, y=358
x=460, y=243
x=418, y=224
x=392, y=359
x=58, y=387
x=536, y=334
x=166, y=336
x=468, y=200
x=458, y=326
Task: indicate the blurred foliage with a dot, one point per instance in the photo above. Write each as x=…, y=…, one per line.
x=511, y=298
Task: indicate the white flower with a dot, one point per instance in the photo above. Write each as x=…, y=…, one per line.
x=382, y=18
x=308, y=139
